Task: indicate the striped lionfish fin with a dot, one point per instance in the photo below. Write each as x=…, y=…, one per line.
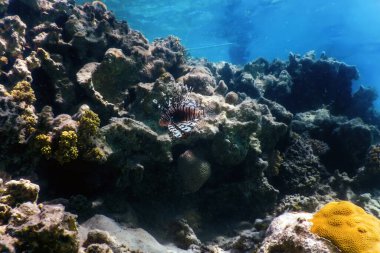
x=182, y=129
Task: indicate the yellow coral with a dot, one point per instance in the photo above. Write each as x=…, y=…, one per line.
x=23, y=92
x=42, y=54
x=95, y=154
x=348, y=226
x=67, y=147
x=89, y=124
x=43, y=142
x=29, y=122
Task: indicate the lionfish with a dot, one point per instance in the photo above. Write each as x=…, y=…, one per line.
x=180, y=114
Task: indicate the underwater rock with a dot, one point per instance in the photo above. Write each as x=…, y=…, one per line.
x=114, y=75
x=369, y=175
x=124, y=239
x=105, y=109
x=233, y=142
x=278, y=89
x=319, y=82
x=222, y=71
x=98, y=248
x=319, y=123
x=12, y=38
x=221, y=88
x=200, y=80
x=32, y=227
x=20, y=72
x=171, y=53
x=278, y=111
x=49, y=229
x=247, y=84
x=252, y=197
x=40, y=11
x=126, y=136
x=17, y=192
x=53, y=86
x=369, y=202
x=362, y=105
x=350, y=141
x=3, y=7
x=300, y=169
x=290, y=233
x=258, y=67
x=271, y=132
x=300, y=203
x=91, y=30
x=99, y=241
x=182, y=234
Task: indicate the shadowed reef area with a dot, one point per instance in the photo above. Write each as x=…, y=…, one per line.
x=79, y=135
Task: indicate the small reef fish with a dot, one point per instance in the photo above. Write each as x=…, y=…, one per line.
x=180, y=114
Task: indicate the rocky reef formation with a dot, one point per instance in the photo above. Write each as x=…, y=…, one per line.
x=81, y=98
x=32, y=227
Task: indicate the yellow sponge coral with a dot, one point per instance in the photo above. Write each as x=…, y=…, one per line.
x=23, y=92
x=348, y=226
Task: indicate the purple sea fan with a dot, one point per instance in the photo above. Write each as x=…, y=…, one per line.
x=180, y=113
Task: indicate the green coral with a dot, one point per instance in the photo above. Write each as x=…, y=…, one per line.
x=67, y=149
x=23, y=92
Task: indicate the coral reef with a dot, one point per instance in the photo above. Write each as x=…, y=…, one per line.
x=81, y=100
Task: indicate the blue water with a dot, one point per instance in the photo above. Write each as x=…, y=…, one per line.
x=239, y=31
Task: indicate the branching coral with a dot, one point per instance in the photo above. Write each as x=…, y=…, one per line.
x=348, y=226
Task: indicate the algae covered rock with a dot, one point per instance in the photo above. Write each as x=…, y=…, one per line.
x=114, y=75
x=17, y=192
x=49, y=229
x=126, y=136
x=32, y=227
x=12, y=39
x=231, y=145
x=182, y=234
x=300, y=169
x=199, y=80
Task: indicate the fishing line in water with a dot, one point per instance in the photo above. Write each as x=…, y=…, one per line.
x=210, y=46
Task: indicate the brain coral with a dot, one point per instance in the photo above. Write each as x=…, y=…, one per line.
x=193, y=171
x=348, y=226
